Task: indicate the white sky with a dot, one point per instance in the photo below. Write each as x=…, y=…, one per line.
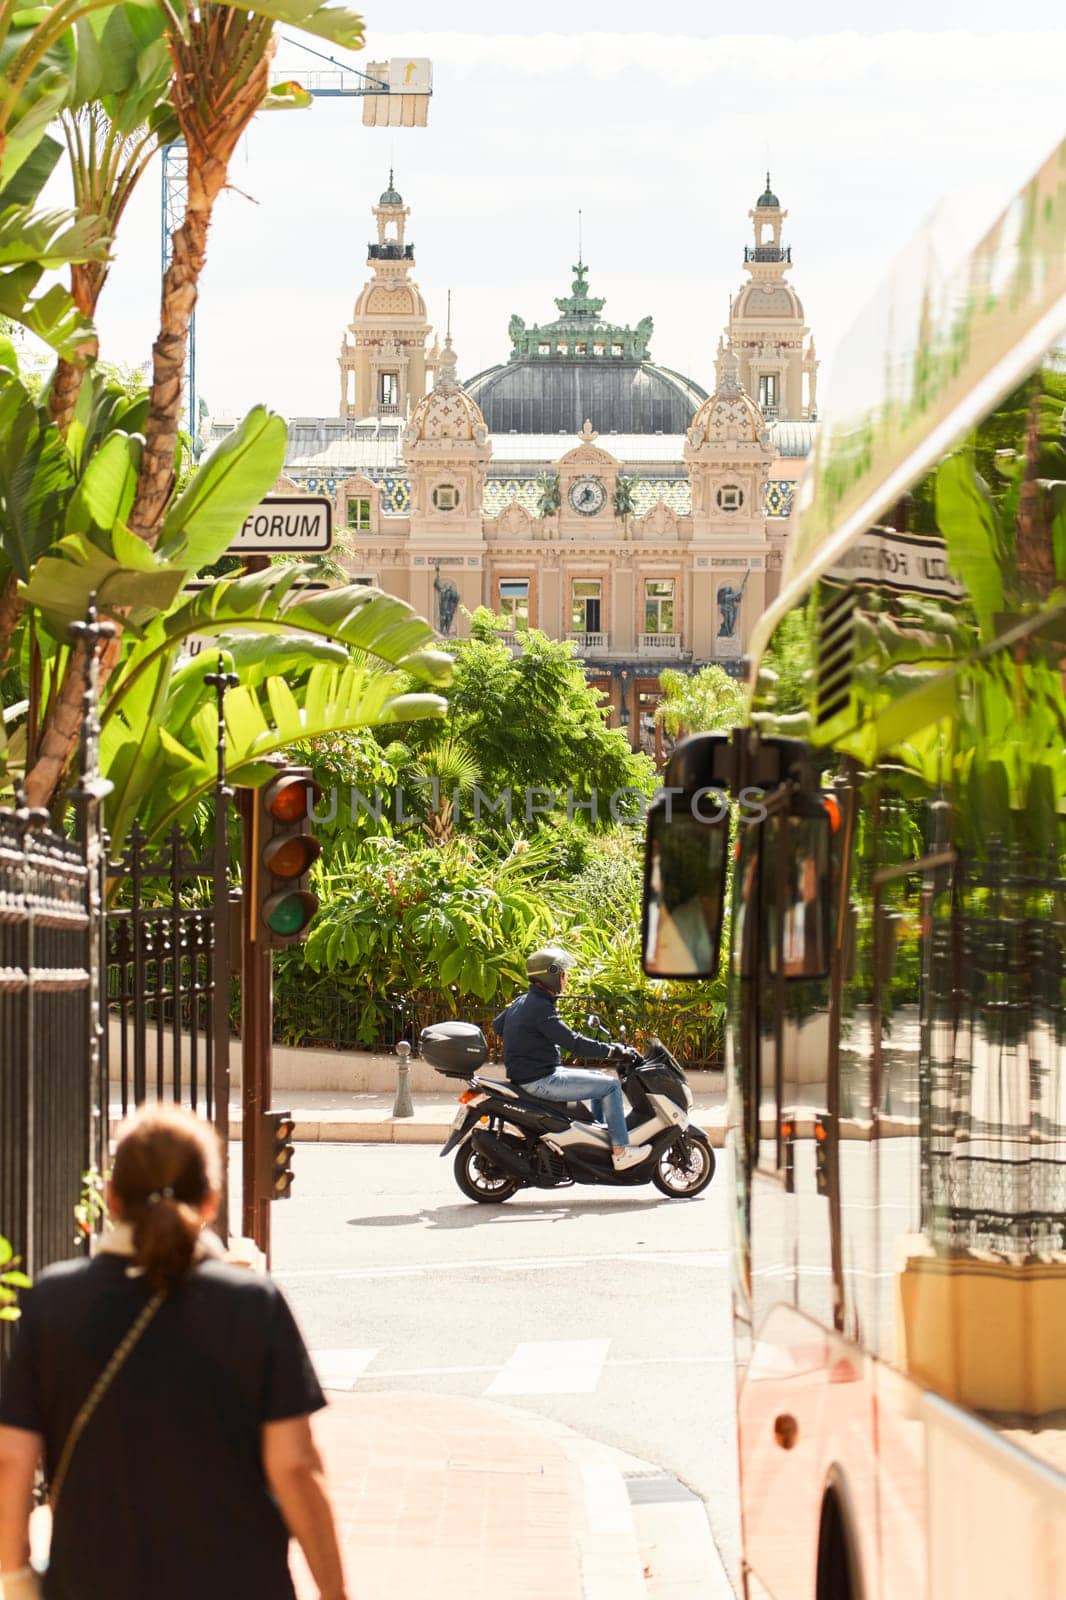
x=661, y=139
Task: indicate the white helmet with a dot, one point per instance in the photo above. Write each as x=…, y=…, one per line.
x=547, y=966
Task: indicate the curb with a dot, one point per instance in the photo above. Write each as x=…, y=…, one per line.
x=637, y=1511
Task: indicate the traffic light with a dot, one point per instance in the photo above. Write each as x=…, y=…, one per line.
x=278, y=1153
x=821, y=1153
x=283, y=852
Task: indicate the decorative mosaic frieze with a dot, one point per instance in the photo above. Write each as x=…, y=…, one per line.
x=499, y=493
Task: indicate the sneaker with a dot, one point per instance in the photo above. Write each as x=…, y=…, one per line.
x=632, y=1156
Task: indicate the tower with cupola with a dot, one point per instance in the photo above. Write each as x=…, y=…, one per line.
x=385, y=361
x=767, y=330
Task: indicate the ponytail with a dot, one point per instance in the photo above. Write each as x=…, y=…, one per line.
x=167, y=1168
x=164, y=1238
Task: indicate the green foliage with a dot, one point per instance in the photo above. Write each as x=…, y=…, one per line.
x=11, y=1282
x=700, y=702
x=548, y=494
x=531, y=721
x=401, y=918
x=450, y=925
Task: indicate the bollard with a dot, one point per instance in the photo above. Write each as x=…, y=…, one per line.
x=402, y=1106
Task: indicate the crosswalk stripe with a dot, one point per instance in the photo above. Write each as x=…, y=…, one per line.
x=341, y=1369
x=554, y=1366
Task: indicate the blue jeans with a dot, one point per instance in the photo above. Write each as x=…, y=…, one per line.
x=573, y=1083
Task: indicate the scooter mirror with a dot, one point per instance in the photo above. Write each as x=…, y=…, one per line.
x=592, y=1021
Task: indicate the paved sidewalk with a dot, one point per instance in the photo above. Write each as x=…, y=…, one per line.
x=440, y=1497
x=336, y=1117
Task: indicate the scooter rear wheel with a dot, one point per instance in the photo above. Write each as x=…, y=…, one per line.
x=685, y=1169
x=480, y=1180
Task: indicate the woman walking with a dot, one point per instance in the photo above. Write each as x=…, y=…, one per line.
x=169, y=1396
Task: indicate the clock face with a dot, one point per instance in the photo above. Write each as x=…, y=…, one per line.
x=587, y=495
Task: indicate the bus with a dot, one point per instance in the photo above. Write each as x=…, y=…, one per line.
x=887, y=890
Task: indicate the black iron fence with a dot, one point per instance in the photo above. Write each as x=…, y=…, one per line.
x=47, y=1029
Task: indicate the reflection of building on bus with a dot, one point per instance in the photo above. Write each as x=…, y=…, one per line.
x=901, y=1213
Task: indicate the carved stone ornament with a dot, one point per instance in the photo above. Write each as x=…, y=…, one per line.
x=660, y=522
x=514, y=520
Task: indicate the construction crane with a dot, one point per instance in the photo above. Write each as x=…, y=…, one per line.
x=395, y=94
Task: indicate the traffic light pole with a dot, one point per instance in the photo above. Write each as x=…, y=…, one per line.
x=257, y=1036
x=257, y=1018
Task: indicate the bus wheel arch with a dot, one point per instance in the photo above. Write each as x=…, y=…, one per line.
x=839, y=1569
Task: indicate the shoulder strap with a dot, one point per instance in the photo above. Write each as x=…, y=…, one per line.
x=97, y=1392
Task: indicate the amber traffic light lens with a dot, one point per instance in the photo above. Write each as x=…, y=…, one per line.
x=290, y=858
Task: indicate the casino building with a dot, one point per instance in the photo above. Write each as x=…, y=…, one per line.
x=577, y=486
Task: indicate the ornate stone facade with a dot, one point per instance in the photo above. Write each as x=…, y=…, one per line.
x=383, y=359
x=648, y=549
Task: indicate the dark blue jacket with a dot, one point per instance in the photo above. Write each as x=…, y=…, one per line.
x=534, y=1036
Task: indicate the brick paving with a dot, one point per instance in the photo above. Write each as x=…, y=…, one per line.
x=439, y=1497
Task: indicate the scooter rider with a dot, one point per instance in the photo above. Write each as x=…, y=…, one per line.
x=534, y=1035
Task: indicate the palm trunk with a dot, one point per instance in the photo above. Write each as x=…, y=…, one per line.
x=10, y=612
x=87, y=278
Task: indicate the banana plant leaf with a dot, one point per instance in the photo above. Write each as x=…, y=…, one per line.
x=207, y=514
x=355, y=616
x=259, y=724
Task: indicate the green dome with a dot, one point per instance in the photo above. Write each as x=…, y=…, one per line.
x=768, y=198
x=392, y=195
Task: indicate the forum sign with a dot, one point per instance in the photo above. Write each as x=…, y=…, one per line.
x=301, y=525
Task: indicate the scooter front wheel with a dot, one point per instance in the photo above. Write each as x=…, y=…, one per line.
x=480, y=1180
x=686, y=1168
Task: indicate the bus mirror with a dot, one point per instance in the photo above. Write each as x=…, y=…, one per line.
x=684, y=893
x=804, y=894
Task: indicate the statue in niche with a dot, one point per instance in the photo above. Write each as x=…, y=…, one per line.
x=729, y=600
x=447, y=601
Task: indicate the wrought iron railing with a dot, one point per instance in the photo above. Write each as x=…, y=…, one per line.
x=46, y=1029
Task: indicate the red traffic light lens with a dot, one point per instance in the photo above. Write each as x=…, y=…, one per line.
x=291, y=857
x=288, y=914
x=288, y=800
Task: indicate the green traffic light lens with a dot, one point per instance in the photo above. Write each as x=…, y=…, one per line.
x=289, y=914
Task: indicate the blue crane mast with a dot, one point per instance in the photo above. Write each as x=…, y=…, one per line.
x=341, y=82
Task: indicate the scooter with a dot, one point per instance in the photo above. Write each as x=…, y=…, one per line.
x=505, y=1140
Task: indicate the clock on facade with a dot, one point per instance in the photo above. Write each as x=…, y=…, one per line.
x=587, y=495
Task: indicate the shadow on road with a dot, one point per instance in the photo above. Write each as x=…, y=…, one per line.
x=469, y=1216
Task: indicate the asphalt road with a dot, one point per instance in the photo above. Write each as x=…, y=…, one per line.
x=624, y=1296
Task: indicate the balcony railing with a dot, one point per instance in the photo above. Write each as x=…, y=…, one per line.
x=391, y=252
x=588, y=643
x=768, y=252
x=386, y=408
x=659, y=644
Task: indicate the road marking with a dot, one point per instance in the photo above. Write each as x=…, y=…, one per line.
x=552, y=1366
x=341, y=1369
x=680, y=1258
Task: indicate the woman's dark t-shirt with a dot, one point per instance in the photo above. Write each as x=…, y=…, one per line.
x=165, y=1497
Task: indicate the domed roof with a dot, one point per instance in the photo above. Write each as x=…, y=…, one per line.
x=730, y=415
x=773, y=299
x=447, y=411
x=768, y=198
x=581, y=365
x=555, y=396
x=391, y=196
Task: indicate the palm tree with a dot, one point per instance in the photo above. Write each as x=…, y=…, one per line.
x=219, y=58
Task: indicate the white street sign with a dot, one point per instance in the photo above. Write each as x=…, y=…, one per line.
x=286, y=525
